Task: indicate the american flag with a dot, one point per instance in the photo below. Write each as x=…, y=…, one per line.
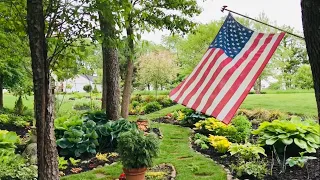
x=228, y=70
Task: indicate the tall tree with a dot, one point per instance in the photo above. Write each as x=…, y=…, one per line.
x=46, y=142
x=146, y=15
x=311, y=24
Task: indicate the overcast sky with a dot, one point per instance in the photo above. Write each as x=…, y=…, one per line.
x=286, y=12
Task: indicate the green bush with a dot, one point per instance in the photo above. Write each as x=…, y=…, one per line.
x=95, y=89
x=99, y=117
x=149, y=98
x=165, y=101
x=252, y=168
x=152, y=107
x=243, y=127
x=79, y=139
x=135, y=104
x=14, y=167
x=19, y=108
x=87, y=88
x=137, y=98
x=282, y=133
x=109, y=132
x=137, y=150
x=85, y=106
x=8, y=140
x=201, y=141
x=4, y=119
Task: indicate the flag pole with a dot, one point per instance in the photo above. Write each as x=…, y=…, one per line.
x=224, y=8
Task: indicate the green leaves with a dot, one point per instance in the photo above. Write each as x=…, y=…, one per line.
x=304, y=134
x=246, y=152
x=8, y=140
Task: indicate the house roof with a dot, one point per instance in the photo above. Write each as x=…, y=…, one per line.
x=89, y=77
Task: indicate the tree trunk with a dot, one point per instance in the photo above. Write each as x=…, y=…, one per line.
x=43, y=107
x=129, y=76
x=1, y=92
x=311, y=29
x=257, y=86
x=111, y=90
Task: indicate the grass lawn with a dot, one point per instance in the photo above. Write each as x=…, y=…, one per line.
x=174, y=149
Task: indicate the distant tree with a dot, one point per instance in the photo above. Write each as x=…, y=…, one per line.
x=87, y=88
x=302, y=79
x=311, y=24
x=158, y=68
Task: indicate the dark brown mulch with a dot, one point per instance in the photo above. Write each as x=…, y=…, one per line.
x=88, y=164
x=21, y=131
x=312, y=171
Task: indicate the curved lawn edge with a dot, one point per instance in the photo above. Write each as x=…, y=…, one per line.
x=174, y=149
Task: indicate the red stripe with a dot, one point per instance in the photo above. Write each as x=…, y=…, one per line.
x=204, y=76
x=241, y=78
x=228, y=74
x=233, y=110
x=195, y=75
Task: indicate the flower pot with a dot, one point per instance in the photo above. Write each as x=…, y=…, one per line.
x=135, y=174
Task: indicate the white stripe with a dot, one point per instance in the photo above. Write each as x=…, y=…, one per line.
x=235, y=75
x=224, y=71
x=198, y=77
x=174, y=96
x=205, y=82
x=247, y=80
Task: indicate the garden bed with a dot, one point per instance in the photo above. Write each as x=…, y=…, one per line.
x=21, y=131
x=161, y=172
x=291, y=173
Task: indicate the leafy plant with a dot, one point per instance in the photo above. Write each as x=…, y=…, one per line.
x=255, y=169
x=102, y=157
x=64, y=123
x=246, y=152
x=79, y=139
x=281, y=133
x=74, y=162
x=109, y=132
x=84, y=106
x=243, y=127
x=220, y=143
x=299, y=161
x=8, y=140
x=99, y=117
x=152, y=107
x=4, y=119
x=87, y=88
x=137, y=150
x=62, y=163
x=14, y=167
x=201, y=140
x=19, y=108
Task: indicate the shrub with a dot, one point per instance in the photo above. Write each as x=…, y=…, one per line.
x=281, y=133
x=85, y=106
x=137, y=98
x=220, y=143
x=152, y=107
x=165, y=102
x=135, y=104
x=109, y=132
x=4, y=119
x=8, y=140
x=87, y=88
x=79, y=139
x=14, y=166
x=99, y=117
x=243, y=127
x=137, y=150
x=246, y=152
x=191, y=118
x=255, y=169
x=19, y=108
x=149, y=99
x=95, y=89
x=201, y=140
x=260, y=114
x=277, y=115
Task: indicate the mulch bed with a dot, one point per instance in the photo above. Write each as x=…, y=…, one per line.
x=21, y=131
x=87, y=164
x=167, y=169
x=166, y=120
x=295, y=173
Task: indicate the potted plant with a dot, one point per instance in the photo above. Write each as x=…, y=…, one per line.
x=136, y=152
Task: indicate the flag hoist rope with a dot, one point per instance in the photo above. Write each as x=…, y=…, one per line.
x=224, y=8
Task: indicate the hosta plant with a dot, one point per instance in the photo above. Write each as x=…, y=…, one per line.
x=201, y=141
x=8, y=140
x=219, y=143
x=304, y=134
x=246, y=151
x=299, y=161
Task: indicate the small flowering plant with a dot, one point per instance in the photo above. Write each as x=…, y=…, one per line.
x=220, y=143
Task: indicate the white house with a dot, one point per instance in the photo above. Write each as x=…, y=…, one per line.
x=77, y=83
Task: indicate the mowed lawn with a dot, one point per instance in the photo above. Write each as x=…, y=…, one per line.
x=297, y=103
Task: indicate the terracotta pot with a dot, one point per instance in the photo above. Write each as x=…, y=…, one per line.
x=135, y=174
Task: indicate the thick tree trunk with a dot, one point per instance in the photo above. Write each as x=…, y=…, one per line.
x=1, y=92
x=46, y=142
x=311, y=28
x=111, y=90
x=129, y=76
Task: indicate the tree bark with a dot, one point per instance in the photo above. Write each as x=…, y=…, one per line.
x=43, y=107
x=1, y=92
x=257, y=86
x=129, y=76
x=311, y=29
x=111, y=89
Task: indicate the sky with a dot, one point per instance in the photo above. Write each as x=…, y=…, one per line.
x=284, y=12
